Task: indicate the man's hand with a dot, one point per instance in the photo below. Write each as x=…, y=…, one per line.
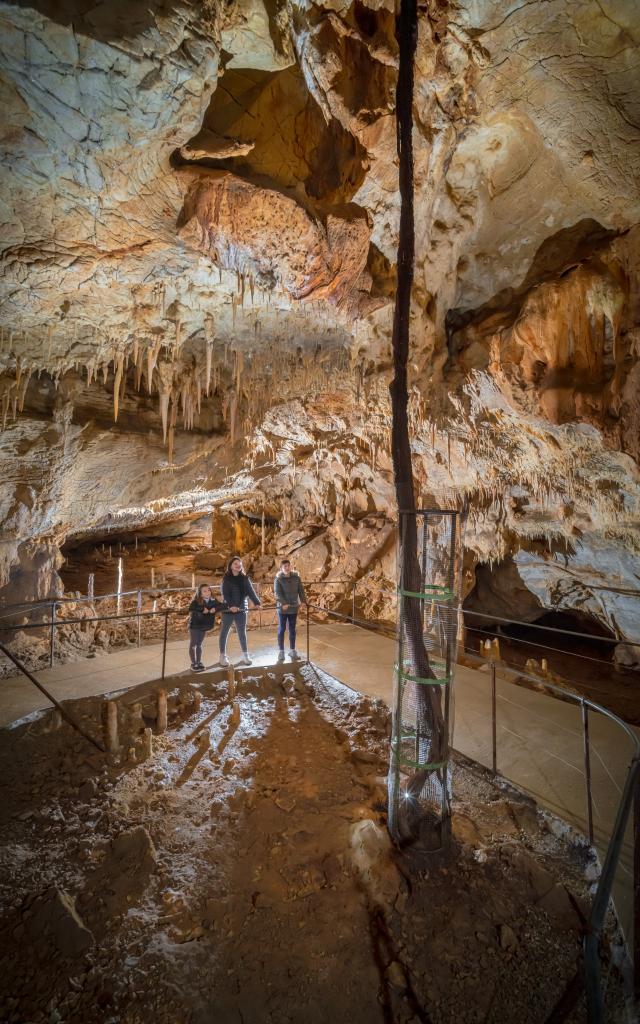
x=234, y=609
x=284, y=607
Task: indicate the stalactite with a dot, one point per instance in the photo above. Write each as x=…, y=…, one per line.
x=172, y=426
x=119, y=363
x=164, y=395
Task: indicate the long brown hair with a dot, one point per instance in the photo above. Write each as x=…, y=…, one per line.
x=236, y=558
x=199, y=597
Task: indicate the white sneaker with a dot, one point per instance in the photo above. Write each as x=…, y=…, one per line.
x=280, y=655
x=294, y=655
x=245, y=660
x=224, y=661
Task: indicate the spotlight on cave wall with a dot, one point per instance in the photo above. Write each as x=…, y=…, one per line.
x=429, y=573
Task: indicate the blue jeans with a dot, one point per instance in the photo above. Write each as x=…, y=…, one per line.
x=287, y=619
x=239, y=620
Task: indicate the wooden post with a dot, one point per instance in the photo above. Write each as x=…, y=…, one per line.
x=90, y=585
x=164, y=642
x=263, y=535
x=232, y=682
x=139, y=609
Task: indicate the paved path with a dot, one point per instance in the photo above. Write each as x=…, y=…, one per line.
x=539, y=739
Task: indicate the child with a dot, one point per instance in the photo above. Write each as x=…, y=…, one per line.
x=203, y=610
x=289, y=592
x=237, y=591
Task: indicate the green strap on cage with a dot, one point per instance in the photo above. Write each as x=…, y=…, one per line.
x=442, y=592
x=432, y=767
x=424, y=682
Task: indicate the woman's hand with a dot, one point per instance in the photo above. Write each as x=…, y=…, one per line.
x=234, y=609
x=284, y=607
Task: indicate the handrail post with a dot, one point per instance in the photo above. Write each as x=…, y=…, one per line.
x=353, y=601
x=494, y=731
x=636, y=891
x=139, y=608
x=308, y=634
x=52, y=639
x=164, y=641
x=587, y=768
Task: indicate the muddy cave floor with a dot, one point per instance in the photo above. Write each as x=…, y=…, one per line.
x=242, y=872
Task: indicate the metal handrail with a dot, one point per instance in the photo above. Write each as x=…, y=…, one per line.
x=603, y=892
x=631, y=791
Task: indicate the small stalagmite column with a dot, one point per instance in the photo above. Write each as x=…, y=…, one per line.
x=111, y=741
x=147, y=744
x=119, y=586
x=161, y=721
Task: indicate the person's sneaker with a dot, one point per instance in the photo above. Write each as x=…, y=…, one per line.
x=294, y=655
x=245, y=660
x=198, y=668
x=280, y=655
x=224, y=661
x=194, y=666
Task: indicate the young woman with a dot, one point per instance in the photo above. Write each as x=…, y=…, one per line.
x=237, y=591
x=203, y=610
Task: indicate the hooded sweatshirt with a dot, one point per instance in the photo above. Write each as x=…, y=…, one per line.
x=289, y=590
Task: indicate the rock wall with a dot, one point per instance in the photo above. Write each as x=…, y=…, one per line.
x=198, y=264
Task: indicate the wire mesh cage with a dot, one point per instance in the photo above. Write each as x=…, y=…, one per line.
x=429, y=575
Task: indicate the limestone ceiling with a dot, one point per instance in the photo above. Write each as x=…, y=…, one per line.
x=198, y=223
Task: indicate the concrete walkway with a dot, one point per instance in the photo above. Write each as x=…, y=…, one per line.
x=539, y=739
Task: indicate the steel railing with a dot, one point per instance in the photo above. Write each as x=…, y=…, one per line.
x=628, y=798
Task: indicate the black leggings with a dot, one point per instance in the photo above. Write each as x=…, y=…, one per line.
x=196, y=638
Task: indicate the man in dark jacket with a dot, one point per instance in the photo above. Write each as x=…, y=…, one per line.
x=290, y=594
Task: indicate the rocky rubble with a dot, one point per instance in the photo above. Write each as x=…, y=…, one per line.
x=242, y=866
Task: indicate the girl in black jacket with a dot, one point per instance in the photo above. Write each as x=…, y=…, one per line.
x=202, y=618
x=237, y=591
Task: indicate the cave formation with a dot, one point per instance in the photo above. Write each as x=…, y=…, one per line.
x=200, y=217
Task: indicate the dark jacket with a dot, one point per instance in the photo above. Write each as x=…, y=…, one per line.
x=198, y=619
x=289, y=590
x=237, y=591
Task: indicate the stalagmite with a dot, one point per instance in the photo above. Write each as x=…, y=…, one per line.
x=119, y=586
x=161, y=720
x=208, y=358
x=111, y=742
x=147, y=744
